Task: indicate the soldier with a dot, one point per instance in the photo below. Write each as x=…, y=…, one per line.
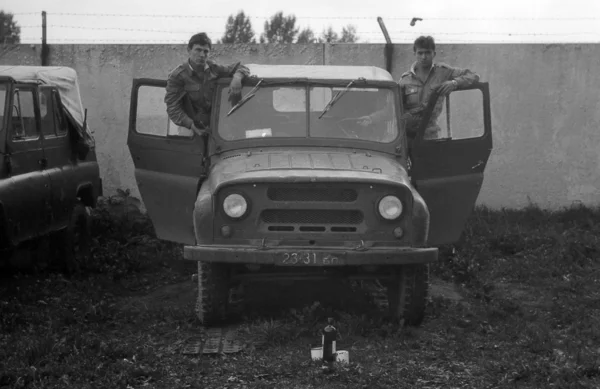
x=422, y=79
x=190, y=86
x=418, y=84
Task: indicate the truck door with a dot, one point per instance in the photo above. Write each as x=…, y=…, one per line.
x=60, y=167
x=168, y=162
x=448, y=171
x=26, y=192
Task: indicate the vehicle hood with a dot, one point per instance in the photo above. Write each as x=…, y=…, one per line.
x=306, y=166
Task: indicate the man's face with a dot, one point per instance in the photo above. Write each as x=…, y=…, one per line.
x=198, y=54
x=425, y=56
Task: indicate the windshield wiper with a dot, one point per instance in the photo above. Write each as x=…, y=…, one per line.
x=338, y=96
x=244, y=99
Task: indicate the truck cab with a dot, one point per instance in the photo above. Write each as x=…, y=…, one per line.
x=292, y=184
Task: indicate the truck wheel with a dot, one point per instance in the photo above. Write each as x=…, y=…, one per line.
x=213, y=293
x=76, y=240
x=407, y=293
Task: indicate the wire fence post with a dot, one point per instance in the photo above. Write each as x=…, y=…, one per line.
x=389, y=47
x=45, y=49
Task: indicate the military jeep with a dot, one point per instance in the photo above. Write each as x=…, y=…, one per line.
x=291, y=184
x=49, y=176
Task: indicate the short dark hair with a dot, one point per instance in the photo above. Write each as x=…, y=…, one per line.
x=424, y=42
x=199, y=39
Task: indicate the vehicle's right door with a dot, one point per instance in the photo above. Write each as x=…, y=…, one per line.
x=448, y=171
x=168, y=162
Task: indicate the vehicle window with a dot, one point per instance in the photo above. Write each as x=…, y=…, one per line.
x=281, y=111
x=2, y=106
x=59, y=119
x=47, y=112
x=152, y=117
x=459, y=116
x=23, y=116
x=294, y=99
x=342, y=118
x=272, y=112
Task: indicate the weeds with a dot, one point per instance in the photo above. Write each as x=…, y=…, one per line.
x=531, y=316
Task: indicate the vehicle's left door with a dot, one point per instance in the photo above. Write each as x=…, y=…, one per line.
x=26, y=192
x=168, y=162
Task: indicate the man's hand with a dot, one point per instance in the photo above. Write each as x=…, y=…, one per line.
x=235, y=90
x=198, y=131
x=446, y=88
x=364, y=121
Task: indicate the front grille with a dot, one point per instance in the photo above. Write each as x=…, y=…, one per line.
x=342, y=195
x=311, y=216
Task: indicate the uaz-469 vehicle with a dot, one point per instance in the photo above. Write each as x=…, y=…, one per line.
x=290, y=185
x=49, y=175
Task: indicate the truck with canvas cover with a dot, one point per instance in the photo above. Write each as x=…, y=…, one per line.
x=290, y=185
x=49, y=175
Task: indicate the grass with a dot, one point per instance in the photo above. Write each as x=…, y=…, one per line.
x=530, y=317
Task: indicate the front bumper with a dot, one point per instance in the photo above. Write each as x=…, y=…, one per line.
x=310, y=257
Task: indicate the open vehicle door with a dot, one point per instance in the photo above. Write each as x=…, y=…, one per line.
x=448, y=172
x=168, y=162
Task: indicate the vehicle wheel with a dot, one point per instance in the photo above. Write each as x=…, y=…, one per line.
x=76, y=240
x=407, y=293
x=213, y=293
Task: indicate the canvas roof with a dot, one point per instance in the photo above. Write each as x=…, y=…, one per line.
x=326, y=72
x=62, y=77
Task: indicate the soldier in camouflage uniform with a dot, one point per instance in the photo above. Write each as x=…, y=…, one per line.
x=190, y=86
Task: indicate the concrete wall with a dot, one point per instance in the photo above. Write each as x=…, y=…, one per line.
x=545, y=105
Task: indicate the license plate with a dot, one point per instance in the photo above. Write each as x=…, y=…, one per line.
x=310, y=258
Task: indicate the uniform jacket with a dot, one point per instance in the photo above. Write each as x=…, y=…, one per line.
x=189, y=94
x=416, y=94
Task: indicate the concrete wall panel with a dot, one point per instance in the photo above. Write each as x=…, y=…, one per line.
x=545, y=105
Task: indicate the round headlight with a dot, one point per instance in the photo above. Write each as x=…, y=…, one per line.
x=390, y=207
x=235, y=205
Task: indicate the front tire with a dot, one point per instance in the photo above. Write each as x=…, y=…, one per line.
x=212, y=303
x=407, y=293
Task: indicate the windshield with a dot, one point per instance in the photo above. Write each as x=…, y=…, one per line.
x=3, y=89
x=364, y=113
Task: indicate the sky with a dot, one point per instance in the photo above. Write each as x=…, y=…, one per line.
x=174, y=21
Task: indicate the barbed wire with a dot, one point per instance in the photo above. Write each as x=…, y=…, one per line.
x=50, y=26
x=358, y=33
x=397, y=39
x=188, y=31
x=95, y=40
x=315, y=17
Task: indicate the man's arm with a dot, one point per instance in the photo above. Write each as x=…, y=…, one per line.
x=238, y=72
x=463, y=77
x=235, y=70
x=173, y=100
x=456, y=78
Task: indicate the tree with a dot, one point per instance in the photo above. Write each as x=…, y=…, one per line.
x=329, y=36
x=238, y=29
x=349, y=34
x=306, y=36
x=10, y=32
x=280, y=29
